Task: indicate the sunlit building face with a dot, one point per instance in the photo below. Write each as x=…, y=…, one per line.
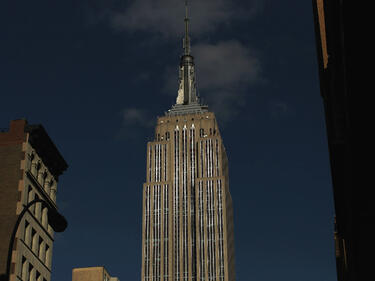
x=187, y=227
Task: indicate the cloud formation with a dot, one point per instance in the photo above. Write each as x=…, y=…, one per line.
x=225, y=69
x=166, y=16
x=134, y=121
x=135, y=116
x=224, y=72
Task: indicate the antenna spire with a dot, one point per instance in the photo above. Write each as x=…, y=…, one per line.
x=186, y=39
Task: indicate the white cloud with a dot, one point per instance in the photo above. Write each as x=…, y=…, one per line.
x=136, y=117
x=225, y=65
x=166, y=16
x=224, y=72
x=135, y=121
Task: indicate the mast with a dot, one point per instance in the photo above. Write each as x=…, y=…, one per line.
x=186, y=44
x=187, y=91
x=187, y=101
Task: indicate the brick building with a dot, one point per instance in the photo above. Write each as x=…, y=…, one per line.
x=30, y=166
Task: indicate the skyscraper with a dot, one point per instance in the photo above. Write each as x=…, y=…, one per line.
x=187, y=228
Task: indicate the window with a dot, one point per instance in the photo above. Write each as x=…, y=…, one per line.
x=29, y=195
x=31, y=272
x=44, y=217
x=40, y=248
x=43, y=179
x=24, y=268
x=38, y=207
x=30, y=160
x=201, y=132
x=47, y=260
x=38, y=165
x=34, y=240
x=34, y=167
x=27, y=232
x=38, y=276
x=53, y=191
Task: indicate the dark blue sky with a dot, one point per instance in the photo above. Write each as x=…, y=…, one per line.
x=97, y=73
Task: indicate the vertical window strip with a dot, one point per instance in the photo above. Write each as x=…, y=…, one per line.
x=213, y=239
x=154, y=235
x=176, y=209
x=159, y=230
x=147, y=235
x=165, y=162
x=201, y=149
x=211, y=159
x=166, y=232
x=155, y=164
x=220, y=228
x=217, y=159
x=160, y=147
x=212, y=233
x=201, y=231
x=192, y=206
x=184, y=205
x=206, y=159
x=208, y=233
x=192, y=154
x=150, y=163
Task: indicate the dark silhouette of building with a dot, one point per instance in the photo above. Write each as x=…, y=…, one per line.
x=335, y=28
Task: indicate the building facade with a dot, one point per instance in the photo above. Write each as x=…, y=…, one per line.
x=335, y=26
x=30, y=166
x=97, y=273
x=187, y=229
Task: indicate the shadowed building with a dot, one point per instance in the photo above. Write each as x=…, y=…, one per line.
x=336, y=26
x=187, y=229
x=98, y=273
x=30, y=166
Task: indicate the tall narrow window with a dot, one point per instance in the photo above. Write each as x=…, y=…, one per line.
x=48, y=257
x=29, y=161
x=31, y=272
x=166, y=230
x=41, y=248
x=201, y=132
x=38, y=276
x=37, y=169
x=53, y=191
x=38, y=207
x=34, y=165
x=147, y=235
x=44, y=217
x=27, y=233
x=24, y=269
x=30, y=197
x=34, y=241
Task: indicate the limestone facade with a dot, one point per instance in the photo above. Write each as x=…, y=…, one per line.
x=97, y=273
x=187, y=229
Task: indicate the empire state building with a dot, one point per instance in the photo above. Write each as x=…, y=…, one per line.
x=187, y=227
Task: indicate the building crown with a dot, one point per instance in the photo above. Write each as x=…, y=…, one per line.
x=187, y=101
